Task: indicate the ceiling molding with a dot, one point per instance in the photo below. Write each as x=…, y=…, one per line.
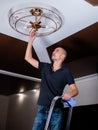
x=4, y=72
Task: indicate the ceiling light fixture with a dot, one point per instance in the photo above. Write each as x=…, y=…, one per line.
x=41, y=17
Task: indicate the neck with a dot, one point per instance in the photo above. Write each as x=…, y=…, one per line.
x=56, y=65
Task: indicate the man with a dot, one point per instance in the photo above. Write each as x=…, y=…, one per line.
x=54, y=78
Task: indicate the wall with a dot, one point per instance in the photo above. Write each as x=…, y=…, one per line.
x=84, y=66
x=88, y=90
x=88, y=87
x=22, y=111
x=17, y=112
x=3, y=111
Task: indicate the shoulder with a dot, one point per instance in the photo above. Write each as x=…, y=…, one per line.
x=66, y=69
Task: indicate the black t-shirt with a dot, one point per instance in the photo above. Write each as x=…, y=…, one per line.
x=52, y=83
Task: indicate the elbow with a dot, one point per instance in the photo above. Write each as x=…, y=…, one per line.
x=77, y=92
x=26, y=58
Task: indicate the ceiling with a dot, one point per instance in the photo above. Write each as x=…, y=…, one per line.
x=78, y=35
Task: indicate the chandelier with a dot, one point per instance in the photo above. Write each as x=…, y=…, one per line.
x=41, y=17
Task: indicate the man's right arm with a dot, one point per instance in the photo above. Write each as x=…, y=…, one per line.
x=28, y=54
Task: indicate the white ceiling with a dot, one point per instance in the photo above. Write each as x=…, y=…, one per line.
x=78, y=14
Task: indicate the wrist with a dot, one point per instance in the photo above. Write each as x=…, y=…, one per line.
x=31, y=40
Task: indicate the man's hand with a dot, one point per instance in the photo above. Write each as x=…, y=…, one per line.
x=32, y=35
x=66, y=96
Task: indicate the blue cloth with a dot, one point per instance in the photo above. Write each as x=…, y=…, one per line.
x=40, y=120
x=71, y=102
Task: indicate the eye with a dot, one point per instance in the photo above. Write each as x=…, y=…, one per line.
x=57, y=50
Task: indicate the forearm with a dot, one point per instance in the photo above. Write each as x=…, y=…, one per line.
x=72, y=93
x=28, y=53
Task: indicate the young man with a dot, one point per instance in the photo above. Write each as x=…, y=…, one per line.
x=54, y=78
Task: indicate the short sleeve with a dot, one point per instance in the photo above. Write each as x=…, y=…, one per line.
x=69, y=77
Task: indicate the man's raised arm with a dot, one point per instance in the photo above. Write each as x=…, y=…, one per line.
x=28, y=54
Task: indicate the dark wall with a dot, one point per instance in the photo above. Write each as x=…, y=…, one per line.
x=83, y=118
x=3, y=111
x=11, y=85
x=84, y=67
x=22, y=110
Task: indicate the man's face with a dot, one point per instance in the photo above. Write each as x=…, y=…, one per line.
x=56, y=54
